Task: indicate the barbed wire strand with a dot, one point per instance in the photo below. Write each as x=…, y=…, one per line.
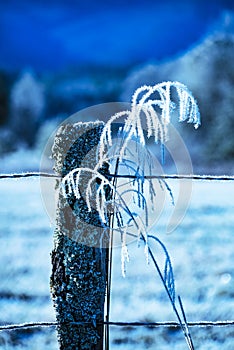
x=27, y=174
x=162, y=176
x=11, y=327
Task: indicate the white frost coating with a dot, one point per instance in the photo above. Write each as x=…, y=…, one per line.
x=124, y=250
x=106, y=139
x=144, y=107
x=70, y=186
x=151, y=106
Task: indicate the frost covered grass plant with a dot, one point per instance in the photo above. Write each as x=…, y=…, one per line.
x=154, y=104
x=133, y=194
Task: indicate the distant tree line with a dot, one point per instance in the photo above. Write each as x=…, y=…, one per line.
x=28, y=101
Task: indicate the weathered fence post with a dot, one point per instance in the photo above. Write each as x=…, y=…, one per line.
x=79, y=257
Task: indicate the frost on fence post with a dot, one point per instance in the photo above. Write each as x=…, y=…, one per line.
x=79, y=257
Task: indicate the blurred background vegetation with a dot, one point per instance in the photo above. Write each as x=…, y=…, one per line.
x=60, y=57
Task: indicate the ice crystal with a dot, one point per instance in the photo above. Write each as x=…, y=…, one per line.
x=154, y=105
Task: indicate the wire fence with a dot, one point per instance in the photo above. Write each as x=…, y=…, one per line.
x=163, y=176
x=169, y=324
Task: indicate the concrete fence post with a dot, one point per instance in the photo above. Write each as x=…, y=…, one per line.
x=79, y=256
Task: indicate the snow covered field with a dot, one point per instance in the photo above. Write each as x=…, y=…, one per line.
x=202, y=254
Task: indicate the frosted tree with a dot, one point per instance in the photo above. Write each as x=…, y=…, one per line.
x=27, y=105
x=128, y=161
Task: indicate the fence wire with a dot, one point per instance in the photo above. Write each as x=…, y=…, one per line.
x=170, y=324
x=161, y=176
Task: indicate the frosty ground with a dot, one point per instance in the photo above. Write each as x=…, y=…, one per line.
x=202, y=254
